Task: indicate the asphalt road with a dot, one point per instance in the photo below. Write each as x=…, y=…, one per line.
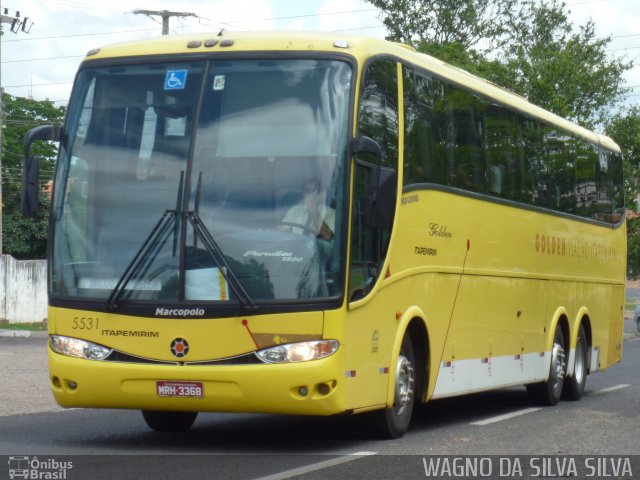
x=117, y=444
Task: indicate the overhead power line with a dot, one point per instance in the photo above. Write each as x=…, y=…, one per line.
x=38, y=84
x=232, y=23
x=79, y=35
x=41, y=59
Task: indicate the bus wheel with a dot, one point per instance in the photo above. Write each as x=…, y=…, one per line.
x=574, y=386
x=394, y=421
x=169, y=421
x=549, y=392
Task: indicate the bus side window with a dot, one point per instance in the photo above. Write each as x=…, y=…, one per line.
x=378, y=119
x=465, y=150
x=424, y=143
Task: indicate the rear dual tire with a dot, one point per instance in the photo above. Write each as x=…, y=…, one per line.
x=574, y=386
x=557, y=384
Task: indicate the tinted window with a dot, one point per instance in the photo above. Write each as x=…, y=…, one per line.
x=459, y=139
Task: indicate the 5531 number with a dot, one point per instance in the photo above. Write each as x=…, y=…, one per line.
x=85, y=323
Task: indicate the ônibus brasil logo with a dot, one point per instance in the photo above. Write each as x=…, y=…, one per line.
x=34, y=468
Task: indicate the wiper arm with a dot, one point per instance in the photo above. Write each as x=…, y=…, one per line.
x=213, y=249
x=155, y=239
x=158, y=237
x=148, y=250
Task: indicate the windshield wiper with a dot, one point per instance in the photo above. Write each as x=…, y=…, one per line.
x=152, y=243
x=150, y=247
x=158, y=237
x=213, y=249
x=216, y=253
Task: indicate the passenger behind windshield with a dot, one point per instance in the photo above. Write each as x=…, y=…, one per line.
x=311, y=215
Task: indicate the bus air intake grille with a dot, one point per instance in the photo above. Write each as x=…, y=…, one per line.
x=247, y=359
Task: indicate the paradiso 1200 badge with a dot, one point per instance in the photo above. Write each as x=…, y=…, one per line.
x=179, y=347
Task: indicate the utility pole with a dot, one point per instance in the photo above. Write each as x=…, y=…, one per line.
x=16, y=25
x=166, y=15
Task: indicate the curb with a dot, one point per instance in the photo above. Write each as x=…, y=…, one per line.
x=5, y=333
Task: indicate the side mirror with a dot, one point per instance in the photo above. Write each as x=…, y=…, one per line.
x=31, y=168
x=381, y=201
x=381, y=204
x=30, y=186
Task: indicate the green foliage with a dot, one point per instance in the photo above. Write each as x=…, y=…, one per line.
x=624, y=129
x=530, y=47
x=443, y=22
x=25, y=237
x=633, y=248
x=562, y=68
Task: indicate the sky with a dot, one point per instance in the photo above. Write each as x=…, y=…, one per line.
x=42, y=63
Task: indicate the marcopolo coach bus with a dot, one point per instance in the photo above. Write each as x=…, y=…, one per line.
x=316, y=224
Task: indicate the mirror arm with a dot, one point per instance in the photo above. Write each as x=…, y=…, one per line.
x=364, y=144
x=44, y=132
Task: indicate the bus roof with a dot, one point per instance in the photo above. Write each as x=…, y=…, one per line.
x=360, y=48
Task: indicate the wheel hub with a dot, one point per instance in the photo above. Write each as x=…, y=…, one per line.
x=404, y=384
x=580, y=362
x=557, y=364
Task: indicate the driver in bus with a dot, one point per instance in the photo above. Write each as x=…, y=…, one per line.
x=311, y=213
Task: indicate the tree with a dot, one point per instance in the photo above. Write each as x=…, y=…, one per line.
x=446, y=22
x=562, y=68
x=530, y=47
x=624, y=128
x=25, y=238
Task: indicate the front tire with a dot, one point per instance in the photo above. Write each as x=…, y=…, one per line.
x=574, y=386
x=550, y=391
x=169, y=421
x=393, y=422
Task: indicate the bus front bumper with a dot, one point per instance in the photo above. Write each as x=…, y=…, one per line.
x=305, y=388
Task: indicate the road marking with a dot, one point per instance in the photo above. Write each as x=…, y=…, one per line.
x=610, y=389
x=506, y=416
x=314, y=467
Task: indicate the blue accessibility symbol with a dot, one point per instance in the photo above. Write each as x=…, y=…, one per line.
x=175, y=80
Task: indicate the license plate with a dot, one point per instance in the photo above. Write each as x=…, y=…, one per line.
x=179, y=389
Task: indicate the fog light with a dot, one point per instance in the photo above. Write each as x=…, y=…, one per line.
x=324, y=389
x=303, y=391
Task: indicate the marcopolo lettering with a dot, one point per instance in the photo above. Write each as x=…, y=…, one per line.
x=179, y=312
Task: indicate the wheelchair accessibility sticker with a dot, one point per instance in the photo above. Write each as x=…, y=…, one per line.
x=175, y=80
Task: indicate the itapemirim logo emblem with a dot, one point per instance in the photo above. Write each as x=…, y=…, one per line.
x=35, y=468
x=179, y=347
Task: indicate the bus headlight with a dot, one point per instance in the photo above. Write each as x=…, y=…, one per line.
x=299, y=352
x=74, y=347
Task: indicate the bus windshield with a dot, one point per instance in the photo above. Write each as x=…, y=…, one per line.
x=220, y=181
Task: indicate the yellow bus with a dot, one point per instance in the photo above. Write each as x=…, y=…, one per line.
x=317, y=224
